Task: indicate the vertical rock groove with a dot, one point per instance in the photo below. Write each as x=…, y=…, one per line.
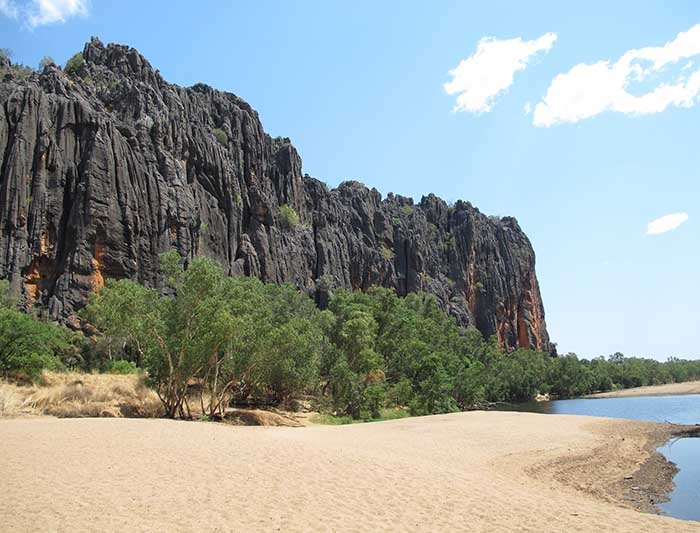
x=103, y=170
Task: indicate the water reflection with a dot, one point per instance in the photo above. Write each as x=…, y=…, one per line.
x=685, y=499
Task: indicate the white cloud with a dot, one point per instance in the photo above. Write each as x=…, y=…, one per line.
x=52, y=11
x=9, y=9
x=527, y=108
x=666, y=223
x=42, y=12
x=590, y=89
x=489, y=71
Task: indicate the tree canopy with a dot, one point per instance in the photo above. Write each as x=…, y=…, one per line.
x=223, y=341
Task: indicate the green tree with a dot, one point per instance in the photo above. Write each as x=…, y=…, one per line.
x=517, y=377
x=198, y=331
x=74, y=64
x=470, y=386
x=166, y=333
x=28, y=346
x=289, y=359
x=129, y=316
x=45, y=62
x=568, y=377
x=229, y=338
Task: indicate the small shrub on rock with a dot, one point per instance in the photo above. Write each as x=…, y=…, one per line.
x=221, y=136
x=74, y=64
x=288, y=217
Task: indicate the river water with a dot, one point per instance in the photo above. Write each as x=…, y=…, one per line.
x=685, y=499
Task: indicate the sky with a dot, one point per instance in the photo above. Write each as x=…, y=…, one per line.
x=581, y=119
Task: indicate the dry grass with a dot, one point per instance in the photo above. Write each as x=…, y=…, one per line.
x=260, y=417
x=76, y=395
x=12, y=401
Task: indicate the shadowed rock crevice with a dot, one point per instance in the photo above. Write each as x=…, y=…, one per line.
x=104, y=169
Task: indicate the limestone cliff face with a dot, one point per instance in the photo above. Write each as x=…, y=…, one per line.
x=103, y=170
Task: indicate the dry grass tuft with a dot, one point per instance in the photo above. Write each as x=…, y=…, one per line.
x=76, y=395
x=259, y=417
x=12, y=401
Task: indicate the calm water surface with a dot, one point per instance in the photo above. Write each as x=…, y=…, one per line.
x=685, y=498
x=676, y=409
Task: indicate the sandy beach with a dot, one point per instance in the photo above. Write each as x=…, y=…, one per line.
x=478, y=471
x=689, y=387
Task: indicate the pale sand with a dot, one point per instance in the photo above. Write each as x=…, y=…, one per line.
x=478, y=471
x=689, y=387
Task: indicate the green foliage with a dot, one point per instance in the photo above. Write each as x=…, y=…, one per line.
x=326, y=283
x=567, y=377
x=28, y=346
x=238, y=338
x=470, y=387
x=221, y=136
x=288, y=217
x=405, y=352
x=129, y=313
x=387, y=253
x=7, y=301
x=332, y=420
x=21, y=71
x=122, y=367
x=392, y=413
x=74, y=64
x=369, y=356
x=17, y=70
x=171, y=265
x=517, y=377
x=407, y=210
x=381, y=355
x=190, y=335
x=46, y=61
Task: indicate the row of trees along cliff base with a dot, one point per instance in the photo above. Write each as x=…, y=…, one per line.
x=218, y=341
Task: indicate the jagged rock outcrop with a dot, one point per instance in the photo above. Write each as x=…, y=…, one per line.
x=104, y=169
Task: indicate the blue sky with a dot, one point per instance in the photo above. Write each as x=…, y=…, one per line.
x=359, y=87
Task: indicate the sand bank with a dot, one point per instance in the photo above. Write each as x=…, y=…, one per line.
x=478, y=471
x=689, y=387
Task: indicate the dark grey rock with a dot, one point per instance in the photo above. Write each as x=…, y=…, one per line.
x=103, y=171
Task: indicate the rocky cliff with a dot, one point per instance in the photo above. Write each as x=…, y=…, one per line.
x=106, y=167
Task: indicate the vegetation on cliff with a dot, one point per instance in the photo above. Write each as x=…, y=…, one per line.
x=203, y=335
x=105, y=165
